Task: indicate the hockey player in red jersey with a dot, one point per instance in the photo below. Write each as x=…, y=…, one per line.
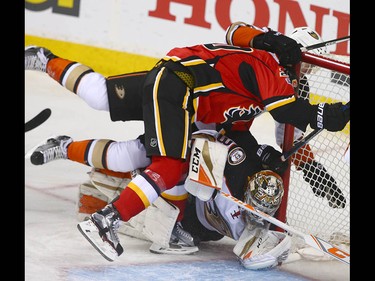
x=210, y=83
x=314, y=173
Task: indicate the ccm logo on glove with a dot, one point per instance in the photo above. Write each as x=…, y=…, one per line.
x=195, y=160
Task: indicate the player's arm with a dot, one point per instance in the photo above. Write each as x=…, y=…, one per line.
x=300, y=113
x=269, y=157
x=246, y=35
x=242, y=34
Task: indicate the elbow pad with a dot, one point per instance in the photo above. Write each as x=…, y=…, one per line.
x=287, y=49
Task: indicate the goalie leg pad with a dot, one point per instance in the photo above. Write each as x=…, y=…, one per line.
x=109, y=185
x=160, y=219
x=262, y=249
x=89, y=200
x=134, y=226
x=154, y=224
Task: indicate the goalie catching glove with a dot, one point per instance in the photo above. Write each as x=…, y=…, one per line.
x=262, y=249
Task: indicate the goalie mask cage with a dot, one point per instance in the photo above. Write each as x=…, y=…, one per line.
x=329, y=80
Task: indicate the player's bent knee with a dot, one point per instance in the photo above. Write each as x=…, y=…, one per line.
x=169, y=169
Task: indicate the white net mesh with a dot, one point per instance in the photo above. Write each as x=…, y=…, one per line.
x=309, y=212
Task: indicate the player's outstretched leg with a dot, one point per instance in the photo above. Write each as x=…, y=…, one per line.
x=101, y=231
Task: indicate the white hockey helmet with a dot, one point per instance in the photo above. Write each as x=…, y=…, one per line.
x=307, y=37
x=264, y=191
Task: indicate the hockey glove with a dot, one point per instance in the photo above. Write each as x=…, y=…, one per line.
x=287, y=49
x=332, y=117
x=271, y=159
x=261, y=249
x=323, y=184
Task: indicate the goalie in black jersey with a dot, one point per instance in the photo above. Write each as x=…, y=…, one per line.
x=251, y=175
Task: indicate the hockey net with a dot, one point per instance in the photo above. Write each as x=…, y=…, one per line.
x=329, y=81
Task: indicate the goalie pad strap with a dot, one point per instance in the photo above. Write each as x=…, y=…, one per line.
x=109, y=185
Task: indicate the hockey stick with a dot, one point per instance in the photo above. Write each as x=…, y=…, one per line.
x=299, y=144
x=306, y=139
x=311, y=240
x=324, y=44
x=201, y=172
x=39, y=119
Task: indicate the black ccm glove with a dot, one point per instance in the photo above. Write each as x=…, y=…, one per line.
x=271, y=159
x=332, y=117
x=287, y=49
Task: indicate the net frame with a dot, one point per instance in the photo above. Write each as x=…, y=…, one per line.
x=329, y=80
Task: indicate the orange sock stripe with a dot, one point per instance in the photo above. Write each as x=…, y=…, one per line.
x=77, y=151
x=57, y=67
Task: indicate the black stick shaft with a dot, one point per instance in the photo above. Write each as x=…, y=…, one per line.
x=324, y=44
x=40, y=118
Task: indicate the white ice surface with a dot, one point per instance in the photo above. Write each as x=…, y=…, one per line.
x=54, y=248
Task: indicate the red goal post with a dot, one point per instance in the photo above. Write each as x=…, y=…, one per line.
x=329, y=81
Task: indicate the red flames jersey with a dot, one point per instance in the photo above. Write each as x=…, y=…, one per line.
x=233, y=84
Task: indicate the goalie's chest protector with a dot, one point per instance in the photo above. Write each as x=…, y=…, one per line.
x=220, y=214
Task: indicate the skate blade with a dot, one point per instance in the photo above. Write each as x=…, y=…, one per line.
x=173, y=249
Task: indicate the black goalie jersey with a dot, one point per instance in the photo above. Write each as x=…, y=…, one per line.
x=220, y=214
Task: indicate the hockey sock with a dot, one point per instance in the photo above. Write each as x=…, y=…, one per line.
x=67, y=73
x=129, y=204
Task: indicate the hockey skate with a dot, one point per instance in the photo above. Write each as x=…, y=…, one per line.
x=55, y=148
x=36, y=58
x=101, y=231
x=181, y=243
